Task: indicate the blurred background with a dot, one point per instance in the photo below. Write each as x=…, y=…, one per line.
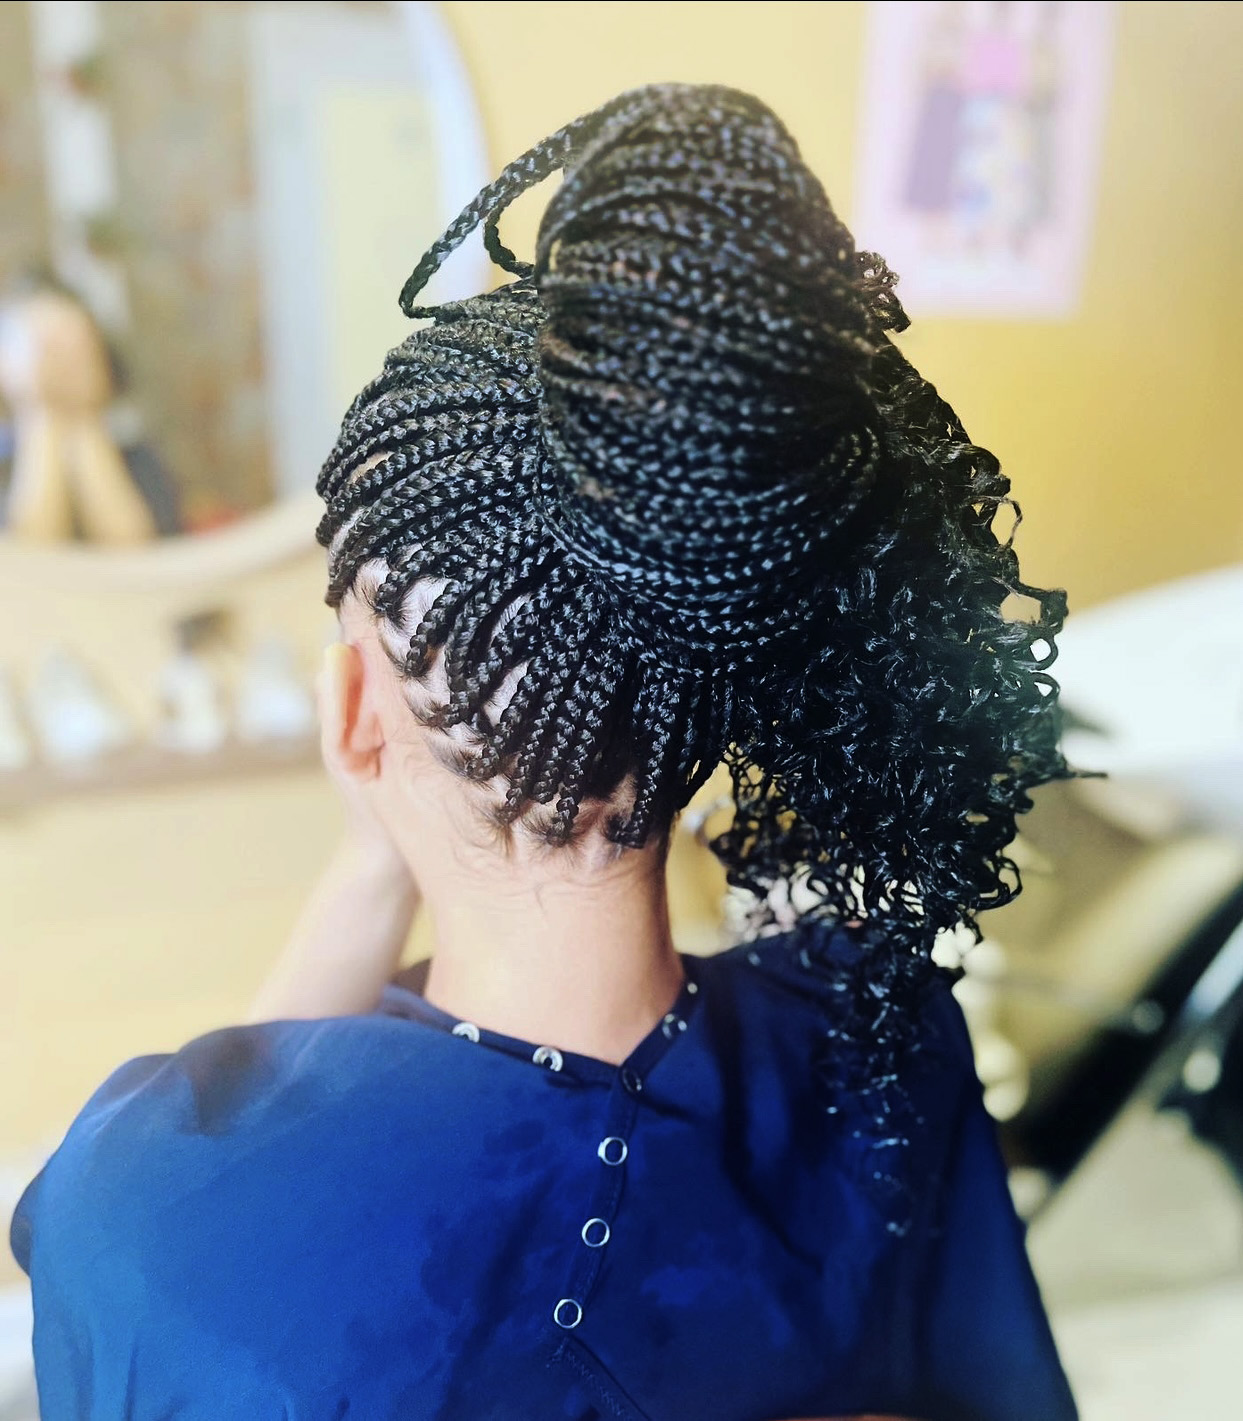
x=206, y=213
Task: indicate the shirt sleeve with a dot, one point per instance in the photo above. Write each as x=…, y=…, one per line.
x=109, y=1339
x=988, y=1352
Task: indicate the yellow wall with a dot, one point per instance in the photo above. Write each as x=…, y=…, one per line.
x=1117, y=427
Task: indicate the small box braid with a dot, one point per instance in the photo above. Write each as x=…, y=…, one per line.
x=676, y=474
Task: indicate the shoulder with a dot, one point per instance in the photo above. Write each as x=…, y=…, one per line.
x=185, y=1225
x=784, y=1000
x=164, y=1127
x=806, y=975
x=224, y=1079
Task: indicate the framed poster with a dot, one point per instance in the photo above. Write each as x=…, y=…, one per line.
x=979, y=144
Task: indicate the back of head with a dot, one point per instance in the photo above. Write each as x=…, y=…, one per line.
x=674, y=487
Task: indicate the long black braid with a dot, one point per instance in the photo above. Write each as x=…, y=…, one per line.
x=677, y=473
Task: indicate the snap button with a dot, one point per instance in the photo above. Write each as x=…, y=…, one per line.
x=568, y=1313
x=613, y=1149
x=548, y=1056
x=467, y=1029
x=631, y=1081
x=692, y=987
x=596, y=1233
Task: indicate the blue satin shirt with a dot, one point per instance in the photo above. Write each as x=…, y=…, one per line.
x=401, y=1216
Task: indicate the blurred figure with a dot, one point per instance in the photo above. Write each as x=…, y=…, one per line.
x=68, y=475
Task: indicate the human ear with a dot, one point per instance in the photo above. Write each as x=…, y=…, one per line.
x=351, y=734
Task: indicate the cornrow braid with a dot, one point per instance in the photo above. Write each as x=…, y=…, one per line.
x=676, y=489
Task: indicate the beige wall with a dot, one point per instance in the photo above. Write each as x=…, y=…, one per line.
x=1117, y=427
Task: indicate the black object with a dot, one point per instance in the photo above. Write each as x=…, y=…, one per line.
x=1193, y=1004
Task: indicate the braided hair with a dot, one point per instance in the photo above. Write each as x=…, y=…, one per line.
x=675, y=482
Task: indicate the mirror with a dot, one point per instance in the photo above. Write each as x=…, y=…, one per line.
x=224, y=200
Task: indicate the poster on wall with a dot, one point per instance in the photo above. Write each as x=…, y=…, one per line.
x=979, y=144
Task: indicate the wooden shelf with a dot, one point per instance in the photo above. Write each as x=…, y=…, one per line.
x=145, y=767
x=269, y=538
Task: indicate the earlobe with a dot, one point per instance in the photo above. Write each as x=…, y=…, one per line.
x=350, y=730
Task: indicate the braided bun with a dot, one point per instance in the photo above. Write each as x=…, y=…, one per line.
x=705, y=366
x=677, y=483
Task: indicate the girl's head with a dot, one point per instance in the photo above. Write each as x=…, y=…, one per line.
x=672, y=498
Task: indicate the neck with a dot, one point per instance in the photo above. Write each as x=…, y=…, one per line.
x=556, y=951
